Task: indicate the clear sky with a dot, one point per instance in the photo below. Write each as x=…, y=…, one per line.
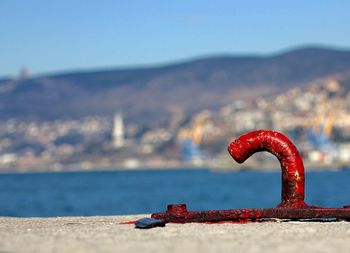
x=63, y=35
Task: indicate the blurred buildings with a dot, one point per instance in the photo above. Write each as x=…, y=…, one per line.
x=316, y=118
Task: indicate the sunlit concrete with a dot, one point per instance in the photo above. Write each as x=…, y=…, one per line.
x=104, y=234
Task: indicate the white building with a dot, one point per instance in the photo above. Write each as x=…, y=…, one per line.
x=118, y=131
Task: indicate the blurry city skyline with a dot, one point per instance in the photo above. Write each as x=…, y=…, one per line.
x=63, y=36
x=126, y=84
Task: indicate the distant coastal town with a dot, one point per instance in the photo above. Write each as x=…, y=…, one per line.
x=316, y=118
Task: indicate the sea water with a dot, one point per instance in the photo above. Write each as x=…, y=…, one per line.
x=147, y=191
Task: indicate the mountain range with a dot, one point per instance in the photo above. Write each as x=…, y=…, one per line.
x=149, y=95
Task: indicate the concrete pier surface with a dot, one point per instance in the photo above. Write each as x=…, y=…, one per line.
x=104, y=234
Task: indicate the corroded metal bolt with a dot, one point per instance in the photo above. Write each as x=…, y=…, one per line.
x=177, y=209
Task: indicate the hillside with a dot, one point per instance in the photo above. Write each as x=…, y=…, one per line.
x=148, y=95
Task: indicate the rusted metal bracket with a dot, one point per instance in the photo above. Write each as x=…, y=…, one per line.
x=292, y=205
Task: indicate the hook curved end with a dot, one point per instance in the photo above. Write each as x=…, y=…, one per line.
x=291, y=163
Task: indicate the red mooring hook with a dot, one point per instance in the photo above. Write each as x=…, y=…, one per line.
x=292, y=205
x=291, y=163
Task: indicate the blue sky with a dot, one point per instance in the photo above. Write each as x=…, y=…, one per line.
x=53, y=36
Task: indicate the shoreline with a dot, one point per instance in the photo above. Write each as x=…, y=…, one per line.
x=236, y=168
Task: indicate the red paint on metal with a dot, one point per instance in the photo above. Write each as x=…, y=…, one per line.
x=228, y=222
x=291, y=163
x=255, y=214
x=177, y=210
x=292, y=205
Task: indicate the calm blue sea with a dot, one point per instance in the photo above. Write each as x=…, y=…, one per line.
x=134, y=192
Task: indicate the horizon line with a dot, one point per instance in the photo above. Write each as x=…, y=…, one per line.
x=171, y=62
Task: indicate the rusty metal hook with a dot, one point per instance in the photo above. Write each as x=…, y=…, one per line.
x=292, y=205
x=292, y=167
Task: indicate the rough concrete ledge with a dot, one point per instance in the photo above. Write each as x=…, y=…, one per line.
x=104, y=234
